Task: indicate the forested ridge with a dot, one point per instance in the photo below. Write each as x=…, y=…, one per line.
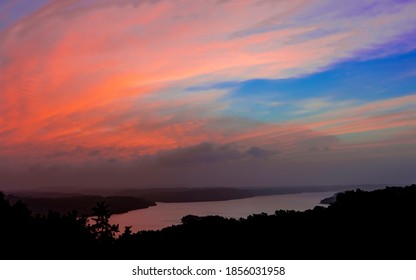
x=358, y=225
x=82, y=203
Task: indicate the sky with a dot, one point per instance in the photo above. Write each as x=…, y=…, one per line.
x=129, y=93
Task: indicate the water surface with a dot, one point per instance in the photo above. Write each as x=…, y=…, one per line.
x=167, y=214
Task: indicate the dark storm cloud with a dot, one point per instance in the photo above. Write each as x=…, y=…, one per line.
x=260, y=153
x=321, y=143
x=208, y=153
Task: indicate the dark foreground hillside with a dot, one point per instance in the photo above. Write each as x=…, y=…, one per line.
x=358, y=225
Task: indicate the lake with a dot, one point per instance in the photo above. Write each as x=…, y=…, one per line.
x=167, y=214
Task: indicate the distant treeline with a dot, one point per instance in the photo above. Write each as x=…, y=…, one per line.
x=190, y=194
x=82, y=203
x=223, y=193
x=357, y=225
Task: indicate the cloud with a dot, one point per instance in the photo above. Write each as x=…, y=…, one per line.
x=113, y=77
x=322, y=143
x=208, y=153
x=260, y=153
x=314, y=105
x=219, y=170
x=376, y=115
x=14, y=10
x=78, y=151
x=200, y=154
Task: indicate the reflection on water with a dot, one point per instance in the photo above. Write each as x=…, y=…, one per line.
x=166, y=214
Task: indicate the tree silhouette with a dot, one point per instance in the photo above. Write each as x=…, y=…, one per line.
x=127, y=231
x=126, y=237
x=102, y=229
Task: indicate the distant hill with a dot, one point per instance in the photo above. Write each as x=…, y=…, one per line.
x=81, y=203
x=225, y=193
x=176, y=193
x=189, y=194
